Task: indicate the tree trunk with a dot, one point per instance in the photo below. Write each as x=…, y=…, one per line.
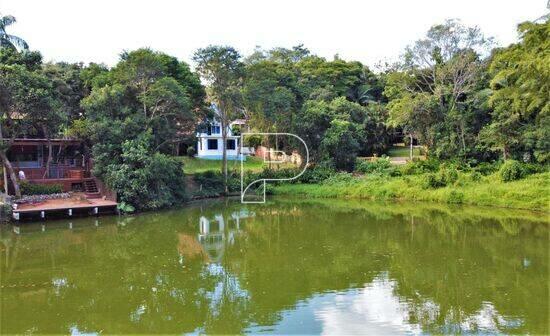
x=50, y=159
x=11, y=172
x=411, y=146
x=224, y=154
x=9, y=167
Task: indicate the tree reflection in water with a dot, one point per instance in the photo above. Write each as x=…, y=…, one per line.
x=288, y=267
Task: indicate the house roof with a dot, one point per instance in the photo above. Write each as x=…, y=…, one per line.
x=25, y=141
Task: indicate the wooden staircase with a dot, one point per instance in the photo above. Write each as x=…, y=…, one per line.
x=91, y=189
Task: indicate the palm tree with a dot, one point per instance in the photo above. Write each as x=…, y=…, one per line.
x=7, y=40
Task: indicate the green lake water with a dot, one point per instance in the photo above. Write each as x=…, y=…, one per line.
x=287, y=267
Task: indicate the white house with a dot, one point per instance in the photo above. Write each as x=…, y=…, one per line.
x=210, y=143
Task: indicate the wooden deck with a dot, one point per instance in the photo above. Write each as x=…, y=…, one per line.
x=68, y=206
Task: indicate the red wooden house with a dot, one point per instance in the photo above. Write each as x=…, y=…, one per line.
x=70, y=167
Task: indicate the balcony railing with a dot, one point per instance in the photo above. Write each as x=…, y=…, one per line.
x=55, y=173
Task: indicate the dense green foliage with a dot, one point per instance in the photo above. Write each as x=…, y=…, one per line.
x=40, y=189
x=297, y=92
x=520, y=84
x=135, y=112
x=144, y=178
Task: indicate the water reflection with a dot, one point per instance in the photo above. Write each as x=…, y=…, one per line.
x=214, y=235
x=291, y=267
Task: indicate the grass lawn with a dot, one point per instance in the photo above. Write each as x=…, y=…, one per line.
x=195, y=165
x=402, y=151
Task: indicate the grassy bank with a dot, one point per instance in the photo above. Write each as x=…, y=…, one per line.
x=531, y=192
x=252, y=164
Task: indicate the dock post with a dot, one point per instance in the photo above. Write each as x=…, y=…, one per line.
x=95, y=211
x=42, y=214
x=16, y=216
x=70, y=212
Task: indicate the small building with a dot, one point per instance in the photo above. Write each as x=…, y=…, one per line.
x=70, y=167
x=210, y=143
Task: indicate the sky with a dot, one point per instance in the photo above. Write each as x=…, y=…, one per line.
x=367, y=31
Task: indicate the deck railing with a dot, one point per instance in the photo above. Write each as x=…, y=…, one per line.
x=55, y=173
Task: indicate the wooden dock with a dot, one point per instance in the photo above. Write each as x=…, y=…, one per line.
x=67, y=207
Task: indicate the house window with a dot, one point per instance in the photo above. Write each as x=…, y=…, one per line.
x=214, y=130
x=231, y=144
x=212, y=144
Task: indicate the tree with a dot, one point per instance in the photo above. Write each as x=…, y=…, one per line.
x=135, y=111
x=27, y=105
x=7, y=40
x=222, y=69
x=520, y=124
x=430, y=89
x=339, y=144
x=336, y=131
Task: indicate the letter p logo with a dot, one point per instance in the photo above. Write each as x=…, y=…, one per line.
x=267, y=155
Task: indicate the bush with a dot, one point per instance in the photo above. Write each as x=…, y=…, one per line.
x=339, y=178
x=417, y=166
x=191, y=151
x=28, y=188
x=213, y=185
x=455, y=197
x=317, y=174
x=446, y=175
x=487, y=168
x=377, y=166
x=146, y=180
x=476, y=176
x=431, y=181
x=512, y=170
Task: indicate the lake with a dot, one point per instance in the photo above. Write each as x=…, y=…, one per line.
x=287, y=267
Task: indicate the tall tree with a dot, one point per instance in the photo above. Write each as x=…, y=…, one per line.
x=135, y=111
x=7, y=40
x=430, y=88
x=222, y=69
x=520, y=125
x=27, y=106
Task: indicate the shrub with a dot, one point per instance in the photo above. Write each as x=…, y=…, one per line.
x=487, y=168
x=446, y=175
x=317, y=173
x=476, y=176
x=212, y=183
x=417, y=166
x=381, y=166
x=144, y=179
x=455, y=197
x=191, y=151
x=339, y=178
x=431, y=181
x=28, y=188
x=512, y=170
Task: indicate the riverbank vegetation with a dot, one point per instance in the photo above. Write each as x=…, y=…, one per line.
x=479, y=114
x=509, y=185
